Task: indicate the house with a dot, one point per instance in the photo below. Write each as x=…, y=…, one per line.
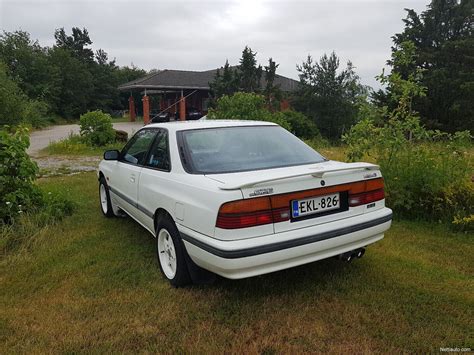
x=180, y=90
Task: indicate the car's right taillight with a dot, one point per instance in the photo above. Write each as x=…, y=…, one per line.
x=366, y=197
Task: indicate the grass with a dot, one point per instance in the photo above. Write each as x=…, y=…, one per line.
x=73, y=145
x=92, y=284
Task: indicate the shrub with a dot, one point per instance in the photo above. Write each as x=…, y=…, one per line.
x=301, y=125
x=96, y=128
x=18, y=193
x=427, y=173
x=246, y=106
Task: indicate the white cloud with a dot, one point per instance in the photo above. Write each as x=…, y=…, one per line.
x=199, y=35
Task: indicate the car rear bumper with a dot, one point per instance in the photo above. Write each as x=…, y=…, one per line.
x=255, y=256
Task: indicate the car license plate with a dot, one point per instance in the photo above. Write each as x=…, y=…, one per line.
x=313, y=205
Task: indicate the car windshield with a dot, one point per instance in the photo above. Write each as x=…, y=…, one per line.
x=244, y=148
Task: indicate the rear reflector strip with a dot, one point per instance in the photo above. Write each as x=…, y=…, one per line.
x=273, y=209
x=366, y=197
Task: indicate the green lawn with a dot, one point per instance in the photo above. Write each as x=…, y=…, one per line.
x=92, y=284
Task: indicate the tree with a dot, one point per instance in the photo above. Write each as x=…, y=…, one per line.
x=27, y=63
x=76, y=43
x=329, y=97
x=73, y=81
x=444, y=51
x=272, y=92
x=226, y=83
x=250, y=74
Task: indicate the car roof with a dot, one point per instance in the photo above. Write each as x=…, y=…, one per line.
x=187, y=125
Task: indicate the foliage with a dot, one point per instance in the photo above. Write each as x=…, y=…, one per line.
x=246, y=106
x=427, y=173
x=16, y=107
x=301, y=125
x=18, y=193
x=273, y=94
x=444, y=46
x=329, y=98
x=226, y=83
x=249, y=73
x=67, y=79
x=76, y=145
x=96, y=128
x=247, y=77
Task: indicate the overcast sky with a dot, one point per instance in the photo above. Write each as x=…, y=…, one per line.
x=200, y=35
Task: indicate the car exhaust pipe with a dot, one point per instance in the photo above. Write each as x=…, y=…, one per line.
x=360, y=253
x=351, y=255
x=347, y=257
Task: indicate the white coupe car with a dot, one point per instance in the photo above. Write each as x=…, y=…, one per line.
x=240, y=198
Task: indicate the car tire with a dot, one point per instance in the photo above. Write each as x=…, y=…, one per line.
x=171, y=253
x=104, y=198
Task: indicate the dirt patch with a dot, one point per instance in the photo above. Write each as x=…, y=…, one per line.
x=65, y=165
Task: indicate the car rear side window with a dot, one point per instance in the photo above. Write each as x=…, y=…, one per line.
x=159, y=157
x=243, y=148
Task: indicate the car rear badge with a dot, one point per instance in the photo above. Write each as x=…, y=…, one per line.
x=263, y=191
x=368, y=176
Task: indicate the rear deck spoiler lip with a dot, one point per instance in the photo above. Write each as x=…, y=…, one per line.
x=317, y=174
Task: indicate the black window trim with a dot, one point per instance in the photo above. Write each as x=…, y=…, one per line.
x=190, y=169
x=151, y=146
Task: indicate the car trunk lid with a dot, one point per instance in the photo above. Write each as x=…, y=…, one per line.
x=290, y=185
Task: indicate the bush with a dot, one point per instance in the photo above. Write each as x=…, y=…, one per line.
x=18, y=193
x=96, y=128
x=301, y=125
x=427, y=173
x=246, y=106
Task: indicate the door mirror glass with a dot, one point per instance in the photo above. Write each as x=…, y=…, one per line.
x=111, y=155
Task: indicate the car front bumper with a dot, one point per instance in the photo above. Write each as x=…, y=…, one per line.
x=255, y=256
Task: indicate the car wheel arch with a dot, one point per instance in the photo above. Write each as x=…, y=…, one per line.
x=160, y=213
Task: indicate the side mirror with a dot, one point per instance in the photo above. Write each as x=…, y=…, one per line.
x=111, y=155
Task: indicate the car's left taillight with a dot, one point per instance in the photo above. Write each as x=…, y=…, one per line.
x=249, y=213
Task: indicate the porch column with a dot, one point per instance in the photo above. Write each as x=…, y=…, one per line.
x=163, y=102
x=131, y=109
x=182, y=108
x=146, y=109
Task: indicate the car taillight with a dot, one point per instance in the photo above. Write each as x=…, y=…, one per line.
x=250, y=213
x=366, y=197
x=276, y=208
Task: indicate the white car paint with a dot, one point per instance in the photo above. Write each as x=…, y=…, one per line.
x=193, y=202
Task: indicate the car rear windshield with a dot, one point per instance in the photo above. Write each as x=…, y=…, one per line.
x=242, y=148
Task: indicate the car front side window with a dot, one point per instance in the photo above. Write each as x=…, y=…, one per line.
x=135, y=152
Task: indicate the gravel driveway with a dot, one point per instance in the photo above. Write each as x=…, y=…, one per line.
x=41, y=139
x=65, y=165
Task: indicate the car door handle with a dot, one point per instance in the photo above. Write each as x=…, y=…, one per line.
x=132, y=178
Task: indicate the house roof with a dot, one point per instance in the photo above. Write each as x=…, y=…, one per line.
x=184, y=79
